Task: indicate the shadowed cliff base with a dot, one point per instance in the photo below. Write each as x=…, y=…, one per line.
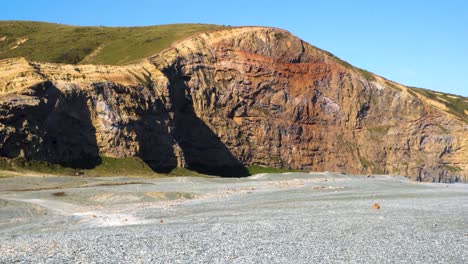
x=57, y=136
x=154, y=141
x=70, y=135
x=54, y=128
x=202, y=149
x=128, y=167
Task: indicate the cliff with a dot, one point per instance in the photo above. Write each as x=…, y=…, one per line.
x=219, y=101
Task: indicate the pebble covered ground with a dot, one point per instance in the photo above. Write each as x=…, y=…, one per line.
x=268, y=218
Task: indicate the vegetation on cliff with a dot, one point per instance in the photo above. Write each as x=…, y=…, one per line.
x=47, y=42
x=454, y=104
x=107, y=167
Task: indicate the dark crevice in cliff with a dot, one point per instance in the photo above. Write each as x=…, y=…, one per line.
x=154, y=139
x=155, y=144
x=70, y=135
x=203, y=150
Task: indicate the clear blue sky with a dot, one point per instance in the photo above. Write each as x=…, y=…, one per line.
x=414, y=42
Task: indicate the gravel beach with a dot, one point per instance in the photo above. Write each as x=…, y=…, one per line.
x=266, y=218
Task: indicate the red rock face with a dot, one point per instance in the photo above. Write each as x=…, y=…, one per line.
x=276, y=101
x=244, y=96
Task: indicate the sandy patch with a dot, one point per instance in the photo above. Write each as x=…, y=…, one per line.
x=115, y=198
x=93, y=54
x=19, y=43
x=171, y=195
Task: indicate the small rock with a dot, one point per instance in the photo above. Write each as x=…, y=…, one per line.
x=161, y=221
x=59, y=194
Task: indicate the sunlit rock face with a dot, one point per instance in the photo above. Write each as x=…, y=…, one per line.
x=219, y=101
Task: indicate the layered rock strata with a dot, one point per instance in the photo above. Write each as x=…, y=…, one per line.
x=219, y=101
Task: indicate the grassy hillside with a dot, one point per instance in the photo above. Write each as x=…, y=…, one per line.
x=48, y=42
x=456, y=105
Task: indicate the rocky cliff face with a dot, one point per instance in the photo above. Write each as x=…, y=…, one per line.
x=219, y=101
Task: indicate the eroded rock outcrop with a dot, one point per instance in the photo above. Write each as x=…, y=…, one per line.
x=219, y=101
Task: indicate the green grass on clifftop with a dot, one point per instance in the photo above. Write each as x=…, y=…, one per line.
x=47, y=42
x=456, y=105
